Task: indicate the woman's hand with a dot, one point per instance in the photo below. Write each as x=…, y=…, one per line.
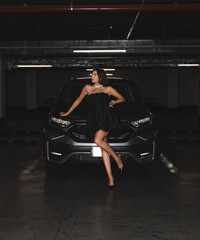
x=76, y=102
x=63, y=114
x=111, y=103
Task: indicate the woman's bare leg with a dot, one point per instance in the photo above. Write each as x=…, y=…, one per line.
x=99, y=140
x=107, y=164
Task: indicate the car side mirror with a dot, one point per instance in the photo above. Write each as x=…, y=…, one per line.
x=50, y=101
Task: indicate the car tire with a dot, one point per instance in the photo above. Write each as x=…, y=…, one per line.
x=152, y=167
x=52, y=170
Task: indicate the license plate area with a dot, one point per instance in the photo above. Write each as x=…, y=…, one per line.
x=96, y=152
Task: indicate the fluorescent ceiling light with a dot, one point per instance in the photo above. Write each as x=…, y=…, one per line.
x=33, y=66
x=114, y=77
x=107, y=74
x=83, y=78
x=188, y=65
x=89, y=78
x=105, y=69
x=101, y=51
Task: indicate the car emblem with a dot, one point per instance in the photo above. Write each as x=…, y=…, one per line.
x=136, y=124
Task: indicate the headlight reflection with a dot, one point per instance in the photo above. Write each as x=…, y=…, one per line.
x=61, y=122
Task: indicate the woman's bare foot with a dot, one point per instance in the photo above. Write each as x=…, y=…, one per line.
x=120, y=163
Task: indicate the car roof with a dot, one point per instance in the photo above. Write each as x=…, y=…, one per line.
x=115, y=80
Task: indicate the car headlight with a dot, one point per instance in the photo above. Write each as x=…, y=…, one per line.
x=60, y=122
x=142, y=122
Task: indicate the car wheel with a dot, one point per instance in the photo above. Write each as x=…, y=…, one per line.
x=52, y=170
x=152, y=167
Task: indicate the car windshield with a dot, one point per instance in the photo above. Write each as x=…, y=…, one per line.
x=72, y=91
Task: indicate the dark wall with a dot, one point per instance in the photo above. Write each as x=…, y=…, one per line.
x=153, y=83
x=15, y=88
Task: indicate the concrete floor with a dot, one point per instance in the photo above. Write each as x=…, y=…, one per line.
x=79, y=205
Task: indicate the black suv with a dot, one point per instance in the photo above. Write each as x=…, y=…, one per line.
x=66, y=140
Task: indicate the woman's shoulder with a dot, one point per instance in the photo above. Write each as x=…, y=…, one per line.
x=88, y=86
x=108, y=88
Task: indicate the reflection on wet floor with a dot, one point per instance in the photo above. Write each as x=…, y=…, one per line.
x=77, y=204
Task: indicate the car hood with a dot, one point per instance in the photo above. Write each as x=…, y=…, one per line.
x=125, y=111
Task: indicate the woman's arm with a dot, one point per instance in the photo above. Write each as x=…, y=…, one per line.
x=76, y=102
x=115, y=93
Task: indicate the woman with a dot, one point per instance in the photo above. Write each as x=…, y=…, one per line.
x=102, y=119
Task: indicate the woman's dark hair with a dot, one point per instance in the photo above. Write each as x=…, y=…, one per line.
x=102, y=76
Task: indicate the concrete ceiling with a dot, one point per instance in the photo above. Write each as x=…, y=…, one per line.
x=154, y=33
x=98, y=25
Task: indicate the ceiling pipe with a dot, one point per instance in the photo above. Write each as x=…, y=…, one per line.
x=63, y=9
x=134, y=22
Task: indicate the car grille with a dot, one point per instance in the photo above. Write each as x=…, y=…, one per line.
x=81, y=134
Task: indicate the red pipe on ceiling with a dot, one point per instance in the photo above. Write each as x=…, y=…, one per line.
x=62, y=9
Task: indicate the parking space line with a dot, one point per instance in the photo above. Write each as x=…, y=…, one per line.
x=171, y=167
x=17, y=141
x=31, y=166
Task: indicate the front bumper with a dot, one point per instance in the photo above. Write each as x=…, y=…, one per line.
x=62, y=148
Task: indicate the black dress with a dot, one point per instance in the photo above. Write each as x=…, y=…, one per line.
x=101, y=116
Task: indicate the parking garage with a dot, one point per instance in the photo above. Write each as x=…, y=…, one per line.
x=45, y=45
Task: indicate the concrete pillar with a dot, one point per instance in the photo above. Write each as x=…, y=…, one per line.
x=2, y=90
x=31, y=90
x=173, y=95
x=199, y=97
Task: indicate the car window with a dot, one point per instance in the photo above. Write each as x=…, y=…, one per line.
x=127, y=91
x=72, y=91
